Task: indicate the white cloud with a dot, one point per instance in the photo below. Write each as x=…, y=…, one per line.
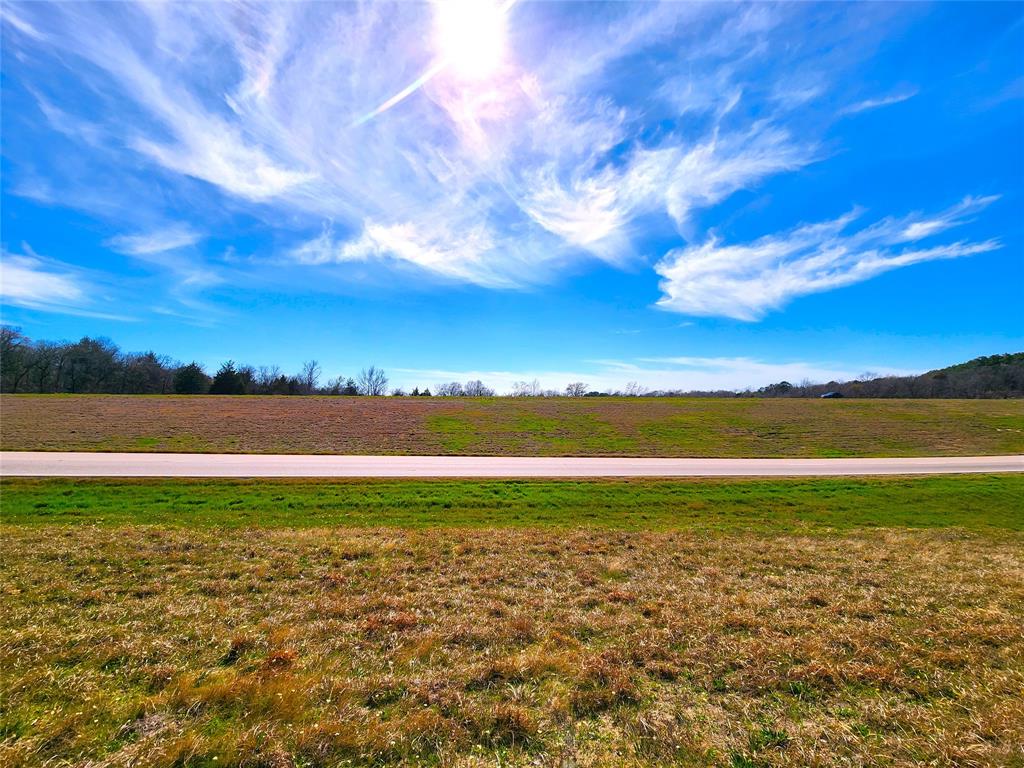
x=747, y=281
x=203, y=144
x=954, y=216
x=586, y=212
x=8, y=14
x=712, y=171
x=184, y=271
x=885, y=101
x=703, y=93
x=158, y=241
x=594, y=210
x=456, y=255
x=31, y=281
x=26, y=281
x=217, y=154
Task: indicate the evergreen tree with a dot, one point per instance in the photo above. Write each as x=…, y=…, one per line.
x=191, y=380
x=228, y=381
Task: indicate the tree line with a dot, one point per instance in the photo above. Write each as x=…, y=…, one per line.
x=98, y=366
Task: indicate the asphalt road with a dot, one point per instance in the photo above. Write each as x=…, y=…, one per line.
x=52, y=464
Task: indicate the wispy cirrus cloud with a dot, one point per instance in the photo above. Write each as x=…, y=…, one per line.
x=496, y=182
x=884, y=101
x=21, y=24
x=25, y=280
x=36, y=282
x=747, y=281
x=157, y=241
x=184, y=272
x=448, y=254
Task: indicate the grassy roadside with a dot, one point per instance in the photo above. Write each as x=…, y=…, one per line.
x=974, y=502
x=623, y=623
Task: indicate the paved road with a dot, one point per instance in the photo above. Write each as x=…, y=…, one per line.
x=47, y=464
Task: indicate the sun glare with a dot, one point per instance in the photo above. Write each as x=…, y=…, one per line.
x=470, y=36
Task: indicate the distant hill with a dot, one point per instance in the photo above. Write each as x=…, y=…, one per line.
x=992, y=376
x=992, y=361
x=995, y=376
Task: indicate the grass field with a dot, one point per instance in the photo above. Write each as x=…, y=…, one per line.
x=529, y=623
x=973, y=503
x=507, y=426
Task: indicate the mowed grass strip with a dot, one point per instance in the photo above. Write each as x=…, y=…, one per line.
x=330, y=646
x=970, y=502
x=700, y=427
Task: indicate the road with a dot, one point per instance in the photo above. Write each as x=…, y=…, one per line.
x=52, y=464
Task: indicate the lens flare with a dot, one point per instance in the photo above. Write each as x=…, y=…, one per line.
x=470, y=36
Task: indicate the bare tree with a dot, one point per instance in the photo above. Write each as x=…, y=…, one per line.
x=309, y=376
x=477, y=389
x=266, y=376
x=576, y=389
x=372, y=381
x=248, y=376
x=526, y=388
x=633, y=389
x=449, y=389
x=15, y=357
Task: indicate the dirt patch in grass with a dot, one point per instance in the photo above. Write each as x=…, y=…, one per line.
x=327, y=646
x=513, y=426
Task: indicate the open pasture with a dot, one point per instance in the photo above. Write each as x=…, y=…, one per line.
x=698, y=427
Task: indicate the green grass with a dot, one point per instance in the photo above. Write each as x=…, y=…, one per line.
x=528, y=434
x=979, y=503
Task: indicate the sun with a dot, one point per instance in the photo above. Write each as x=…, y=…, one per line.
x=470, y=36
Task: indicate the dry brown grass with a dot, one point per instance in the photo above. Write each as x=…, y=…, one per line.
x=151, y=646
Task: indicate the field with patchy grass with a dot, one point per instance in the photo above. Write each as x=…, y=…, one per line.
x=729, y=623
x=698, y=427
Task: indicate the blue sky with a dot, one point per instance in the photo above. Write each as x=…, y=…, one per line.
x=679, y=194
